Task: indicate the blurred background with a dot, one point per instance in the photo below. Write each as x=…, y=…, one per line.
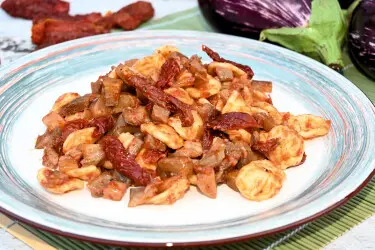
x=338, y=33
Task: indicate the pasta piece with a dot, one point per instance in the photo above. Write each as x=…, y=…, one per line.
x=115, y=190
x=272, y=111
x=290, y=149
x=210, y=88
x=164, y=133
x=57, y=182
x=259, y=180
x=85, y=173
x=236, y=71
x=309, y=126
x=184, y=79
x=64, y=99
x=149, y=66
x=86, y=114
x=126, y=139
x=239, y=135
x=180, y=94
x=188, y=133
x=166, y=50
x=53, y=120
x=236, y=103
x=162, y=193
x=140, y=159
x=82, y=136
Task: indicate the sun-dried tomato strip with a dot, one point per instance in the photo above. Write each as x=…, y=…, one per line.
x=266, y=147
x=152, y=156
x=102, y=125
x=124, y=162
x=157, y=96
x=169, y=71
x=216, y=57
x=70, y=127
x=30, y=9
x=233, y=120
x=73, y=126
x=207, y=138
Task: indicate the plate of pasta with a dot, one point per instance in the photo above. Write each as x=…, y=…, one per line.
x=177, y=138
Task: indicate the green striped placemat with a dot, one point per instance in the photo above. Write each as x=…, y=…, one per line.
x=313, y=235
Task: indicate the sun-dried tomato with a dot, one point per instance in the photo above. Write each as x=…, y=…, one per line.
x=53, y=31
x=30, y=9
x=207, y=138
x=152, y=156
x=233, y=120
x=102, y=125
x=216, y=57
x=266, y=147
x=168, y=72
x=149, y=107
x=72, y=126
x=124, y=162
x=158, y=97
x=129, y=17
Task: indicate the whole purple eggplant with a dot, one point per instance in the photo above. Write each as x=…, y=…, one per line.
x=250, y=17
x=361, y=42
x=315, y=28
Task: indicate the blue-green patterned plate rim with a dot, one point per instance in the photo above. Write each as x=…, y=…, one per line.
x=349, y=162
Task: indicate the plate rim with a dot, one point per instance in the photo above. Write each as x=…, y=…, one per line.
x=28, y=59
x=192, y=243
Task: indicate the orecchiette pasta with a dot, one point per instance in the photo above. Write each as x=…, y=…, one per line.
x=309, y=126
x=58, y=183
x=236, y=71
x=164, y=133
x=82, y=136
x=64, y=99
x=259, y=180
x=188, y=133
x=290, y=149
x=85, y=173
x=211, y=87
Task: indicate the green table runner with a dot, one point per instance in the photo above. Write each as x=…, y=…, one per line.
x=313, y=235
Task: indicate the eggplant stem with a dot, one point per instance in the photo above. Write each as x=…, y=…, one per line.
x=331, y=54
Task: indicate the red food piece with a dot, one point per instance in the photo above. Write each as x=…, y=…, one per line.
x=72, y=126
x=216, y=57
x=207, y=138
x=169, y=71
x=69, y=128
x=102, y=124
x=233, y=120
x=125, y=163
x=141, y=10
x=129, y=17
x=53, y=31
x=151, y=156
x=30, y=9
x=153, y=143
x=158, y=97
x=91, y=17
x=266, y=147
